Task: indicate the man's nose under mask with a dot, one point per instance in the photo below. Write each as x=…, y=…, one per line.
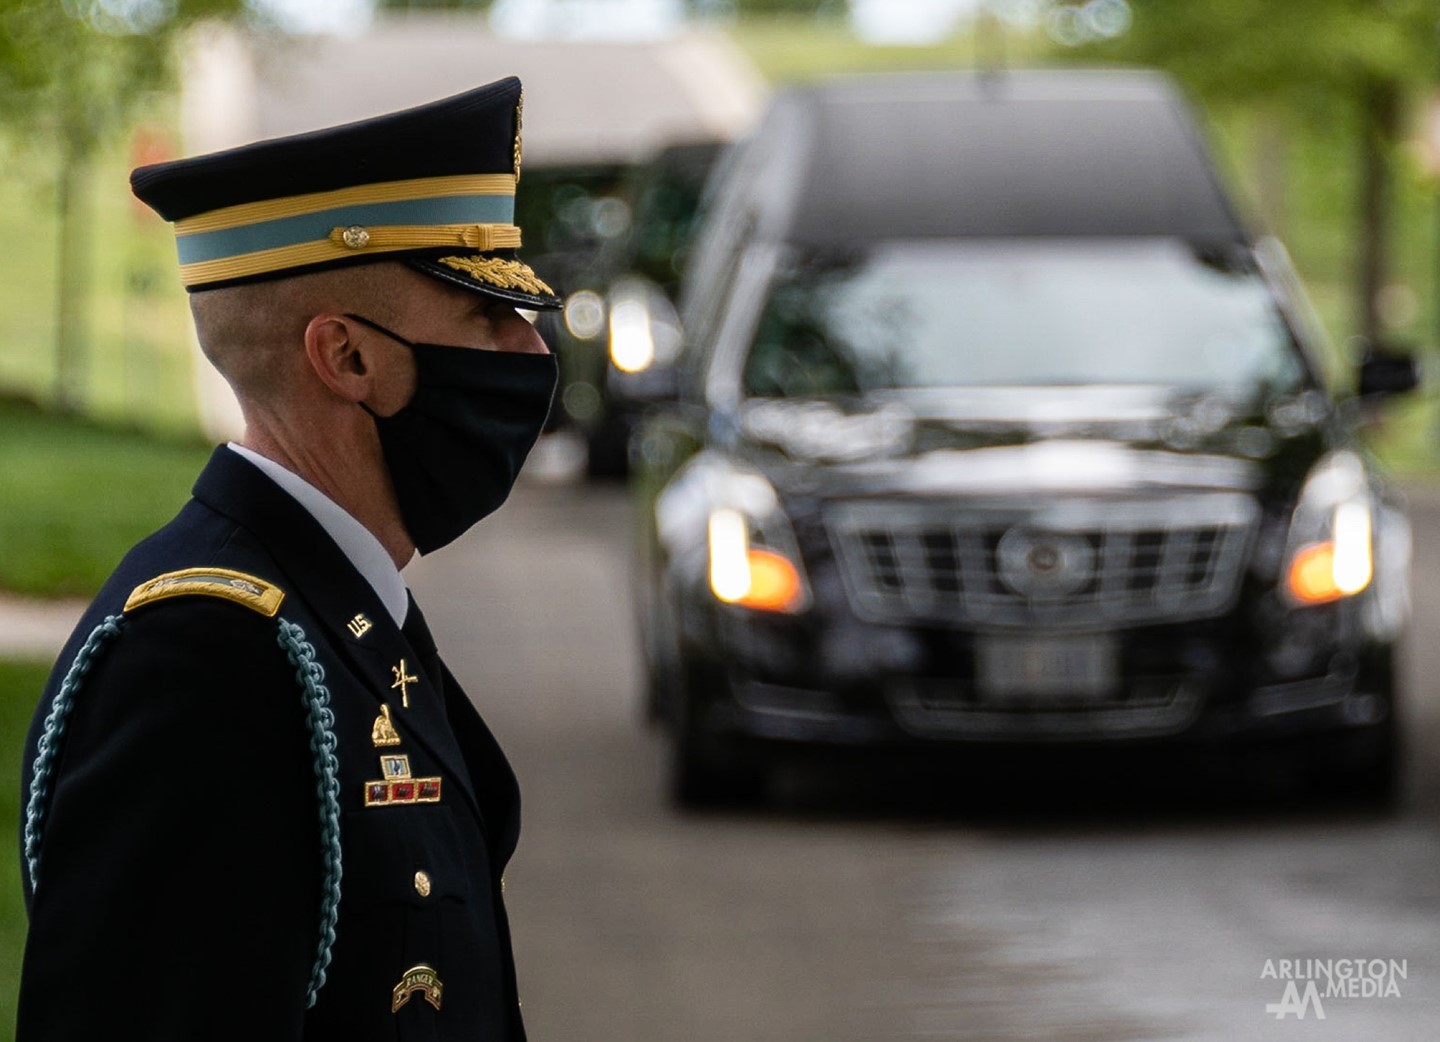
x=454, y=450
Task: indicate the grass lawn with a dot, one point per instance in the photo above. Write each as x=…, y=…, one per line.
x=20, y=687
x=76, y=497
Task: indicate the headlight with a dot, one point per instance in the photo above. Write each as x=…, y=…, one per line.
x=1331, y=552
x=753, y=576
x=749, y=549
x=644, y=329
x=632, y=345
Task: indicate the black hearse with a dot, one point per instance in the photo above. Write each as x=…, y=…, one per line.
x=994, y=425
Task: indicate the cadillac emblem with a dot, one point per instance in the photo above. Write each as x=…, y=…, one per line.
x=1044, y=565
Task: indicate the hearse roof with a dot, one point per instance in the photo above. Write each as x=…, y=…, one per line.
x=1076, y=153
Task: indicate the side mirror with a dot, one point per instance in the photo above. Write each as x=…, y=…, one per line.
x=644, y=343
x=1388, y=371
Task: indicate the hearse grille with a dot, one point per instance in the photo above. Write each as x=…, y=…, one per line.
x=1072, y=563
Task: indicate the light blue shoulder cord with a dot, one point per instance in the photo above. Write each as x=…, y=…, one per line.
x=321, y=721
x=48, y=747
x=318, y=717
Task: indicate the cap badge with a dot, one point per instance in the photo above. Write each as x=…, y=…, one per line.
x=382, y=731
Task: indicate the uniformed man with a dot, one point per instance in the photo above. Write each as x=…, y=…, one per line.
x=256, y=803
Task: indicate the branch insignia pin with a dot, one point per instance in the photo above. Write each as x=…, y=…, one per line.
x=403, y=680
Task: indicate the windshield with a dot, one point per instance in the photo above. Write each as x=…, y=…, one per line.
x=1018, y=313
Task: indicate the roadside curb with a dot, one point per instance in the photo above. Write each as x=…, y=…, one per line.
x=36, y=629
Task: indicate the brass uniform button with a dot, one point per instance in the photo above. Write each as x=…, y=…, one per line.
x=356, y=237
x=502, y=884
x=422, y=883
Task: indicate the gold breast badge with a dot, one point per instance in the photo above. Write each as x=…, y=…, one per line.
x=382, y=731
x=402, y=680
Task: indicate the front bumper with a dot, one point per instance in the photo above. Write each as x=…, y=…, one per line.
x=859, y=684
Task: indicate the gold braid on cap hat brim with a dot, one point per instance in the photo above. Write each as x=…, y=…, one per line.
x=417, y=236
x=506, y=274
x=352, y=241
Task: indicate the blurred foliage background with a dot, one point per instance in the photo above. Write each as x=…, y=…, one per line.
x=1318, y=111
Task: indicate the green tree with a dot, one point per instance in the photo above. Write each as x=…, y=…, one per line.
x=73, y=73
x=1359, y=58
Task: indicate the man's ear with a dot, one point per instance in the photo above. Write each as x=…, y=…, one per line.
x=338, y=360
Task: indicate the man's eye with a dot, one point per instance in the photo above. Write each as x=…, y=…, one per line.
x=499, y=311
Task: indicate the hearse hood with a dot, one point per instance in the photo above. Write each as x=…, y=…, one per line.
x=1013, y=441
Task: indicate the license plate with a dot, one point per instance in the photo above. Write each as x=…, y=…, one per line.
x=1079, y=667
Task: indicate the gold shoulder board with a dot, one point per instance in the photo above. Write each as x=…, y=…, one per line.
x=255, y=593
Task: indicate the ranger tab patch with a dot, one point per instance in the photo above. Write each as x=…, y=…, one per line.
x=251, y=591
x=421, y=978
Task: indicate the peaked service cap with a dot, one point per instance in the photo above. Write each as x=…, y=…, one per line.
x=431, y=186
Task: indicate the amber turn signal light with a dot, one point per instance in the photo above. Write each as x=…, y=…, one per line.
x=774, y=583
x=1318, y=575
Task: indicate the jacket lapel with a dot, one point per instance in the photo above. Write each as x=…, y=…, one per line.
x=345, y=605
x=494, y=778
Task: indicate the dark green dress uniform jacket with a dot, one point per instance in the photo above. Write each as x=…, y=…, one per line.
x=179, y=880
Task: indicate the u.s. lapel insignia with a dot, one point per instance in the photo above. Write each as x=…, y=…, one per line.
x=398, y=786
x=402, y=680
x=421, y=978
x=359, y=625
x=382, y=731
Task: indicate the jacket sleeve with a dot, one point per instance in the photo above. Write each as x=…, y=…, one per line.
x=178, y=884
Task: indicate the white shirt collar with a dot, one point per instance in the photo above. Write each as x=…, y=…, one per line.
x=355, y=541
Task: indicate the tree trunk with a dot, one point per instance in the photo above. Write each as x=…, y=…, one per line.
x=1271, y=157
x=1380, y=119
x=72, y=283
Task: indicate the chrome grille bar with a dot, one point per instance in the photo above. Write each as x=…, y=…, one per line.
x=1130, y=561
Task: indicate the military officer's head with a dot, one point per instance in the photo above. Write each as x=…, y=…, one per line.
x=358, y=288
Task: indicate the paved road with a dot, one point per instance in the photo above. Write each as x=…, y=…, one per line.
x=843, y=918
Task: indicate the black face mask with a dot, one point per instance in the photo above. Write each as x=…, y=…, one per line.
x=453, y=452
